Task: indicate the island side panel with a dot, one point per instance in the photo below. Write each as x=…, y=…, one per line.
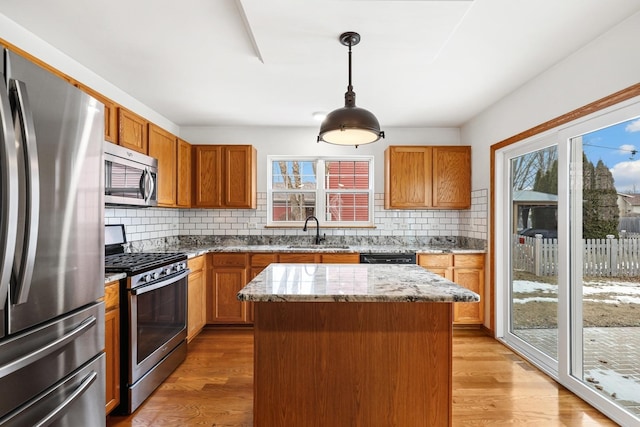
x=352, y=364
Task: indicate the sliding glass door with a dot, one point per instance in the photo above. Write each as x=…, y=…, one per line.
x=533, y=234
x=568, y=229
x=604, y=300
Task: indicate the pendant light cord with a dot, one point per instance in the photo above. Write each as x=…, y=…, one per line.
x=350, y=87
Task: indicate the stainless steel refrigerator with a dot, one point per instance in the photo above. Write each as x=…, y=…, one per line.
x=51, y=250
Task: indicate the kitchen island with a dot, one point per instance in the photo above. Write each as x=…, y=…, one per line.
x=352, y=345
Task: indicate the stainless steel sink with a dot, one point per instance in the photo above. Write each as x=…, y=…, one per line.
x=318, y=247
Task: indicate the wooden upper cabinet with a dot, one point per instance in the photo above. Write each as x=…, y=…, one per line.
x=207, y=176
x=110, y=113
x=427, y=177
x=452, y=177
x=224, y=176
x=132, y=131
x=240, y=176
x=183, y=185
x=162, y=146
x=407, y=177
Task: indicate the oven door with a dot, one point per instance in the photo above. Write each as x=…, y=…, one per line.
x=157, y=322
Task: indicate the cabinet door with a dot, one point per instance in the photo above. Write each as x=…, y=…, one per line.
x=407, y=177
x=132, y=131
x=112, y=357
x=196, y=304
x=452, y=177
x=240, y=176
x=207, y=176
x=110, y=113
x=183, y=187
x=469, y=312
x=112, y=344
x=162, y=146
x=227, y=282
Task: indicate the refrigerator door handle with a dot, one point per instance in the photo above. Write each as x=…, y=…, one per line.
x=24, y=119
x=46, y=350
x=9, y=171
x=58, y=410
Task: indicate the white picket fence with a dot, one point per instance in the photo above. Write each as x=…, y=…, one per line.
x=601, y=257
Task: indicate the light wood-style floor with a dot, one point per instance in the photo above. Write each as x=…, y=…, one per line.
x=492, y=386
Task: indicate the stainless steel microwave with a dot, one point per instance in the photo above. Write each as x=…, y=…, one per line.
x=131, y=178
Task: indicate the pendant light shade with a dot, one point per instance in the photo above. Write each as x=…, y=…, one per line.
x=350, y=125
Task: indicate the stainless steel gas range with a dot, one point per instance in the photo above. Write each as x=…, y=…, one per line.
x=153, y=316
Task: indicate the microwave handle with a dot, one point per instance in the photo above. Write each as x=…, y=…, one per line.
x=149, y=185
x=146, y=185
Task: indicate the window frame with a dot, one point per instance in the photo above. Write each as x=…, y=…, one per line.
x=321, y=191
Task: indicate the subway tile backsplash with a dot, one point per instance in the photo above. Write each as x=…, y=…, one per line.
x=155, y=223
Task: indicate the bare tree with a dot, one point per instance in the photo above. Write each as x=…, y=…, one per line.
x=294, y=180
x=525, y=168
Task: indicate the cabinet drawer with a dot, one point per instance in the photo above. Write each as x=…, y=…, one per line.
x=262, y=260
x=468, y=261
x=433, y=260
x=299, y=258
x=111, y=295
x=341, y=258
x=224, y=260
x=196, y=264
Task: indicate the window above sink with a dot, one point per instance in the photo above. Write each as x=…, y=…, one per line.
x=337, y=190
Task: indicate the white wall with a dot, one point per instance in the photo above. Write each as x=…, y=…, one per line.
x=608, y=64
x=25, y=40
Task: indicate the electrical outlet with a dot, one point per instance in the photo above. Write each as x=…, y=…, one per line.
x=252, y=225
x=403, y=226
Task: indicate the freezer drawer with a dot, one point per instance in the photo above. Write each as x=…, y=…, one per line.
x=36, y=360
x=77, y=400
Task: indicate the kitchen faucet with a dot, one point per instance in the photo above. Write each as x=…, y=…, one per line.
x=318, y=238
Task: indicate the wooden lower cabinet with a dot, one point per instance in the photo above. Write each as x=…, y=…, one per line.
x=112, y=345
x=466, y=270
x=228, y=276
x=196, y=297
x=231, y=272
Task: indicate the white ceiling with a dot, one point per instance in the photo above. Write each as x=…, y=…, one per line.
x=275, y=62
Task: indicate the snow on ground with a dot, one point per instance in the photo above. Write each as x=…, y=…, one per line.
x=612, y=382
x=622, y=292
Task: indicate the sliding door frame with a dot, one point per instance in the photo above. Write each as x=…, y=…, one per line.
x=602, y=113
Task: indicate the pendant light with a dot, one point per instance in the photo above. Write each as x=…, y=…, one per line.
x=350, y=125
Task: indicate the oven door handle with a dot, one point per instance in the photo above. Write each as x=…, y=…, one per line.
x=154, y=286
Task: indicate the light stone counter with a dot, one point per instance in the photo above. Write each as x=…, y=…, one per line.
x=196, y=250
x=352, y=283
x=112, y=277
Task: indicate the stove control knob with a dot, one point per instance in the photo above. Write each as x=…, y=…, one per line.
x=183, y=265
x=167, y=271
x=145, y=278
x=155, y=275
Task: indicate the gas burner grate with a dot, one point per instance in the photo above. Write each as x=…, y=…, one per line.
x=138, y=262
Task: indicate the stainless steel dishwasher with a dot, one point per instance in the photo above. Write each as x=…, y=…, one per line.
x=388, y=258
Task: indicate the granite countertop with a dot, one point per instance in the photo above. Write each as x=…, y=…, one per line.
x=112, y=277
x=194, y=251
x=352, y=283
